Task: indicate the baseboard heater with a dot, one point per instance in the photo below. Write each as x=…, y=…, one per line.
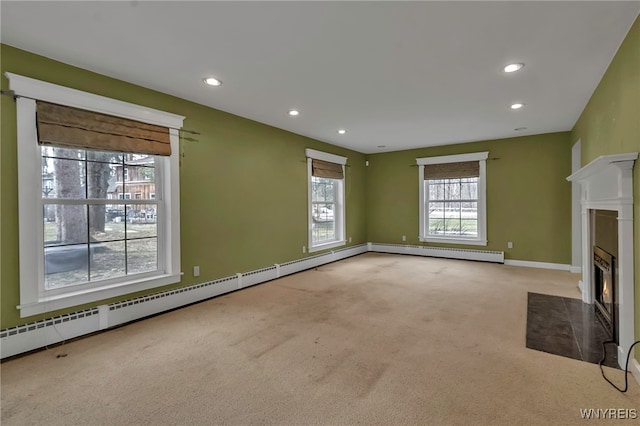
x=449, y=253
x=39, y=334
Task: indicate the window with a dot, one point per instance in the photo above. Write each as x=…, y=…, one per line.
x=326, y=200
x=453, y=198
x=83, y=238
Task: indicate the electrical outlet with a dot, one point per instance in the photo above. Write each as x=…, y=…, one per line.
x=509, y=244
x=404, y=238
x=304, y=249
x=196, y=271
x=349, y=239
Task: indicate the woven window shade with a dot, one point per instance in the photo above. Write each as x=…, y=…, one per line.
x=463, y=169
x=77, y=128
x=326, y=169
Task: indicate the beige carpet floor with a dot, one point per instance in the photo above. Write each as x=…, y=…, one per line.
x=374, y=339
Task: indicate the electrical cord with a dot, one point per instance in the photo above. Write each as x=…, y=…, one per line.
x=626, y=365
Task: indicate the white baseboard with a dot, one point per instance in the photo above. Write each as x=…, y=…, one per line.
x=445, y=252
x=575, y=269
x=542, y=265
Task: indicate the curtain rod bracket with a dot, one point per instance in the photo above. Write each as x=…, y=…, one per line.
x=9, y=93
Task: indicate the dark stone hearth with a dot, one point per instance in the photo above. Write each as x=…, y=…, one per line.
x=567, y=327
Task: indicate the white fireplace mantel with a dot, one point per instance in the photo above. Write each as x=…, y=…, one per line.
x=607, y=184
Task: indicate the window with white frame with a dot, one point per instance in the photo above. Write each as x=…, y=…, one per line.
x=326, y=200
x=87, y=239
x=453, y=198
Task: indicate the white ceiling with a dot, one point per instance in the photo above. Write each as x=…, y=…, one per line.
x=394, y=74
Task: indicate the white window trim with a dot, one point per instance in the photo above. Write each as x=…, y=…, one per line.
x=340, y=202
x=33, y=298
x=481, y=158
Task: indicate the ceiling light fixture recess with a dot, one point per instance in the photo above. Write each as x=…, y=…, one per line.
x=342, y=131
x=211, y=81
x=516, y=106
x=294, y=112
x=512, y=67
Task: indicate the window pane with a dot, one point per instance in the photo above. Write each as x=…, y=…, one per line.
x=436, y=190
x=469, y=210
x=107, y=260
x=106, y=222
x=139, y=159
x=436, y=226
x=100, y=179
x=142, y=255
x=452, y=226
x=469, y=189
x=452, y=189
x=105, y=157
x=322, y=189
x=65, y=265
x=469, y=227
x=65, y=179
x=54, y=151
x=452, y=210
x=65, y=224
x=141, y=221
x=436, y=210
x=323, y=212
x=323, y=231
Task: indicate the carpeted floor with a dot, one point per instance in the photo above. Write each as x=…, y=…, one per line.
x=374, y=339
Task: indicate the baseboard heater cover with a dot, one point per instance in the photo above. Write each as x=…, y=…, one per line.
x=39, y=334
x=445, y=252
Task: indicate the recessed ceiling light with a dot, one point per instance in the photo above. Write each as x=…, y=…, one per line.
x=516, y=106
x=294, y=112
x=512, y=67
x=212, y=81
x=519, y=129
x=342, y=131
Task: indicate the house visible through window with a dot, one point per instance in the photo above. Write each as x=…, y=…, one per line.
x=326, y=200
x=452, y=198
x=82, y=237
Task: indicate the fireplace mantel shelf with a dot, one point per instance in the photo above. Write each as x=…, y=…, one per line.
x=600, y=164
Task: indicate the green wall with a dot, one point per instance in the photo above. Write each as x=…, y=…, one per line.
x=610, y=124
x=243, y=184
x=528, y=198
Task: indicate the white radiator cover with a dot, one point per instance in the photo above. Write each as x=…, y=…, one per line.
x=449, y=253
x=24, y=338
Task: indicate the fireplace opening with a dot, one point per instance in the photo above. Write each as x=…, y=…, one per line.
x=603, y=273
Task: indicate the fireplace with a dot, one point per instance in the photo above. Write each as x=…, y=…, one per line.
x=606, y=184
x=603, y=279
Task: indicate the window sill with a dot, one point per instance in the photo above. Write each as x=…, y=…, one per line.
x=74, y=298
x=325, y=246
x=445, y=240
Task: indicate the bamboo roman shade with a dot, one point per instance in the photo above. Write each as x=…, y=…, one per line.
x=81, y=129
x=325, y=169
x=462, y=169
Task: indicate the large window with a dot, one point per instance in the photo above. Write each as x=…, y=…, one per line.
x=89, y=237
x=326, y=200
x=452, y=198
x=83, y=236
